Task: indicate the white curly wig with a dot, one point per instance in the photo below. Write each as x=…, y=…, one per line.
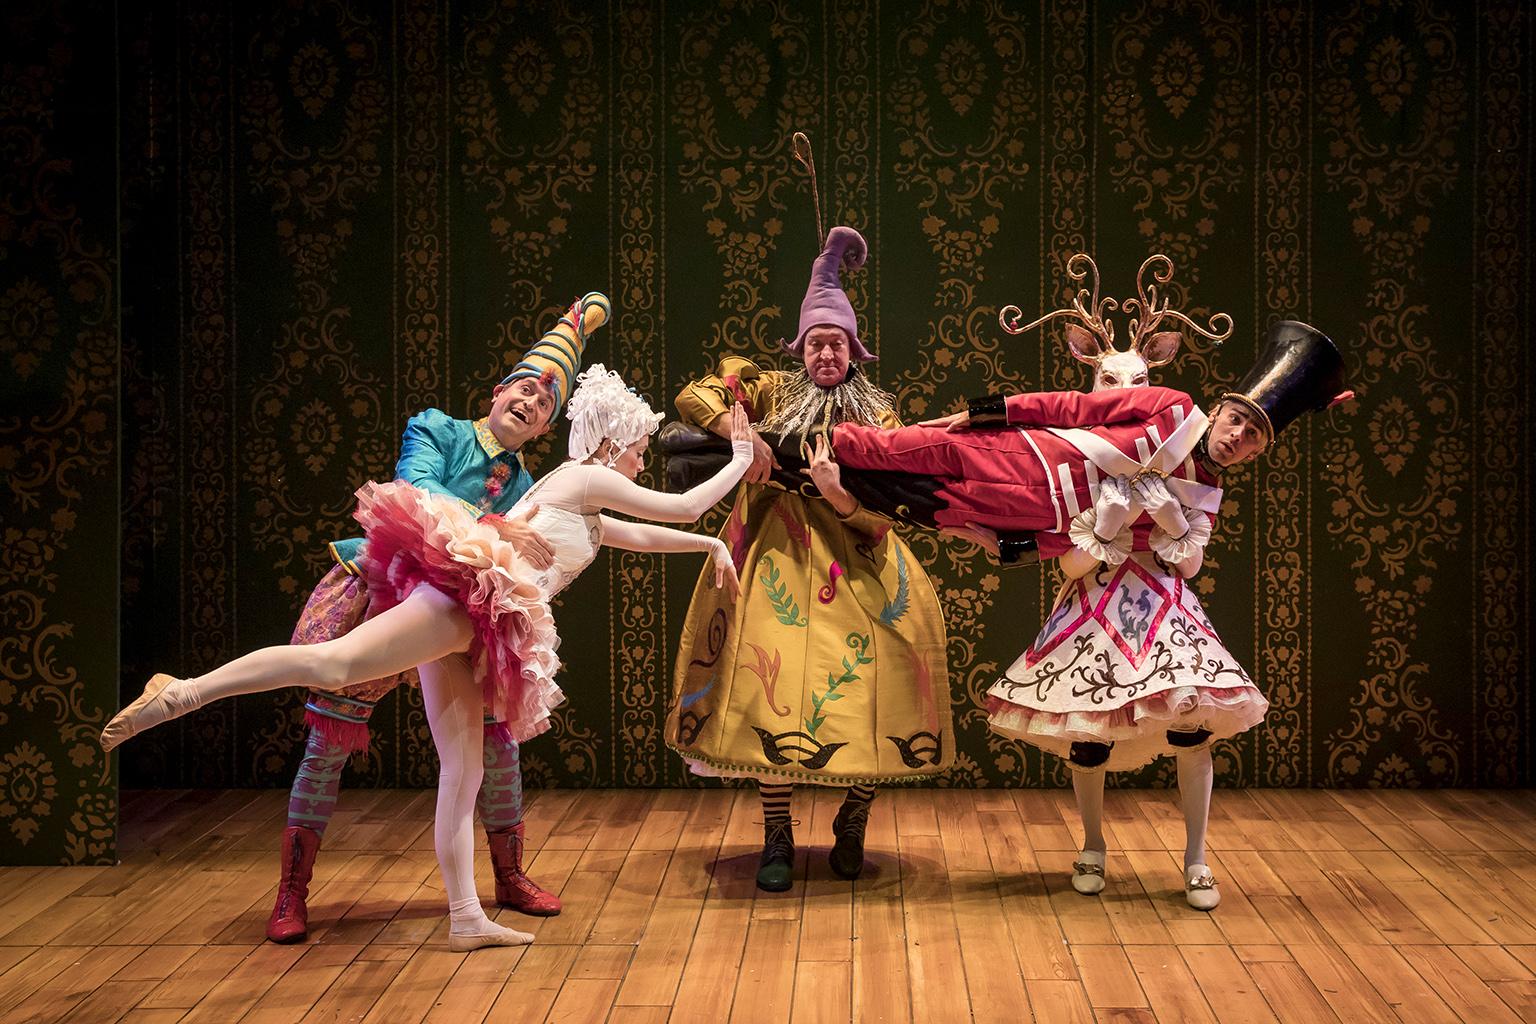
x=604, y=407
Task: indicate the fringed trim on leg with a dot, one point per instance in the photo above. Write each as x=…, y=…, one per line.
x=351, y=737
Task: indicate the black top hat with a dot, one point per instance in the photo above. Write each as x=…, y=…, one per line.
x=1299, y=371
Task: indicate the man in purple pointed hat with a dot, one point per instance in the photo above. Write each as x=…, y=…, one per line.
x=829, y=668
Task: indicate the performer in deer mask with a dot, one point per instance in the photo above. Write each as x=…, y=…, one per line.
x=829, y=668
x=1122, y=486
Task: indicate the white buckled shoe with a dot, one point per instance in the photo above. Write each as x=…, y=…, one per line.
x=1200, y=887
x=1088, y=872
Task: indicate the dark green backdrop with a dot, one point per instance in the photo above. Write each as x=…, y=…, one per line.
x=334, y=214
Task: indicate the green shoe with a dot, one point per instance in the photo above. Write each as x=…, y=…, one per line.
x=775, y=872
x=847, y=856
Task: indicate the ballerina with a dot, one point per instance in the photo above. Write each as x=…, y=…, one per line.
x=453, y=599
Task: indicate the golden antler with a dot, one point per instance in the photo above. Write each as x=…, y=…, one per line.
x=1146, y=310
x=1146, y=314
x=1086, y=305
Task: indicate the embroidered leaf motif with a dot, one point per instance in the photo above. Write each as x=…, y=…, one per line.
x=784, y=606
x=796, y=530
x=897, y=606
x=767, y=670
x=859, y=643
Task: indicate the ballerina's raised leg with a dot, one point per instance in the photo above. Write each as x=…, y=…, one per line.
x=428, y=629
x=426, y=626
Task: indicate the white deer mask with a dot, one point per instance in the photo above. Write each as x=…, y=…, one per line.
x=1092, y=338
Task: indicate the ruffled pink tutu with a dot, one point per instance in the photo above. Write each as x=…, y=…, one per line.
x=416, y=537
x=1126, y=655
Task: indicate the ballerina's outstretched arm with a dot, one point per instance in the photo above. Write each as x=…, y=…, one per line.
x=617, y=533
x=599, y=487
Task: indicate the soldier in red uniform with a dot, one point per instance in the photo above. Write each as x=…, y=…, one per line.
x=1025, y=466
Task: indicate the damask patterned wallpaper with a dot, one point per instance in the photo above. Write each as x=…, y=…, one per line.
x=332, y=218
x=60, y=281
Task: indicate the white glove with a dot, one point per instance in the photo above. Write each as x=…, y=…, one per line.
x=1101, y=531
x=1113, y=509
x=1164, y=508
x=743, y=438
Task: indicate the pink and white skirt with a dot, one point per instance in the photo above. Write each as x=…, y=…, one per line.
x=415, y=538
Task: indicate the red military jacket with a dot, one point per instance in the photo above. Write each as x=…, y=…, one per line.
x=1034, y=475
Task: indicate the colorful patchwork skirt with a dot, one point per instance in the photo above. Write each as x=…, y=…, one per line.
x=1126, y=655
x=336, y=606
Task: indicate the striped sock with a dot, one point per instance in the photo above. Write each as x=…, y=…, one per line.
x=501, y=791
x=775, y=800
x=859, y=796
x=312, y=800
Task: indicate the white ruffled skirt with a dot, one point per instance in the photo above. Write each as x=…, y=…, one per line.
x=1126, y=655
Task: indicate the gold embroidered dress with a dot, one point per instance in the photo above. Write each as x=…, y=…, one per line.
x=829, y=667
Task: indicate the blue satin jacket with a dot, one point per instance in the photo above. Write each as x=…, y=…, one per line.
x=454, y=458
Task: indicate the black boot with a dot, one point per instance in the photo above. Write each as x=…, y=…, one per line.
x=775, y=872
x=847, y=856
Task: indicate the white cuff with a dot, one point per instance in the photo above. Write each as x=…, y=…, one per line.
x=1173, y=550
x=1110, y=552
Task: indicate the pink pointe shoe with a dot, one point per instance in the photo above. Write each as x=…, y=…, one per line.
x=149, y=710
x=488, y=934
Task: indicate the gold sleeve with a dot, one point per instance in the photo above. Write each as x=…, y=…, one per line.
x=737, y=379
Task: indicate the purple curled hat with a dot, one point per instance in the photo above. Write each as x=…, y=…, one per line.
x=826, y=304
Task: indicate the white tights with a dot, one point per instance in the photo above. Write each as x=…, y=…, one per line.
x=456, y=714
x=426, y=626
x=1195, y=777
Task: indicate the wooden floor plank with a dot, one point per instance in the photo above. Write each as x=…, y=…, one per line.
x=881, y=982
x=662, y=950
x=765, y=983
x=534, y=985
x=1346, y=990
x=1228, y=984
x=1059, y=1001
x=1457, y=985
x=582, y=1000
x=823, y=992
x=1337, y=906
x=708, y=981
x=1108, y=978
x=66, y=988
x=935, y=963
x=1290, y=993
x=1169, y=985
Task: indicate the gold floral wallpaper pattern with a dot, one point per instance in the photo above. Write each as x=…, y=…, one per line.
x=334, y=214
x=59, y=359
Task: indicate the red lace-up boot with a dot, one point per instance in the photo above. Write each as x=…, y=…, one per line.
x=290, y=916
x=513, y=888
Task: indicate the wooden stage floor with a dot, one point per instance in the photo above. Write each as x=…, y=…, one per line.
x=1348, y=906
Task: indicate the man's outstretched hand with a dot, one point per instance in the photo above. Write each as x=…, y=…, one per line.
x=954, y=422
